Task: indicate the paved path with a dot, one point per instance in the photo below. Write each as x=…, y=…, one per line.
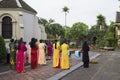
x=43, y=72
x=106, y=69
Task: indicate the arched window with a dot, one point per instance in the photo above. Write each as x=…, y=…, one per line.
x=7, y=27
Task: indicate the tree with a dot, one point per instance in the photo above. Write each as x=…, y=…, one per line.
x=2, y=48
x=110, y=36
x=92, y=35
x=79, y=29
x=77, y=32
x=43, y=21
x=66, y=10
x=101, y=23
x=57, y=30
x=47, y=24
x=52, y=29
x=100, y=31
x=50, y=21
x=67, y=33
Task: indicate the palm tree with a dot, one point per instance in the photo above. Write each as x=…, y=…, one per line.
x=66, y=10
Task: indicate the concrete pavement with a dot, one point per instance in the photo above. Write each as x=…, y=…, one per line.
x=106, y=69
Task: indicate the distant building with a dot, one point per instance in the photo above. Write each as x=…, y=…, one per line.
x=18, y=19
x=117, y=23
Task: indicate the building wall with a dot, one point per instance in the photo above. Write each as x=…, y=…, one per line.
x=25, y=24
x=32, y=28
x=28, y=26
x=118, y=34
x=43, y=33
x=14, y=14
x=37, y=29
x=118, y=31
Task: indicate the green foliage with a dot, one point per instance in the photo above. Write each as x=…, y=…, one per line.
x=110, y=37
x=49, y=36
x=57, y=29
x=65, y=9
x=46, y=23
x=72, y=46
x=2, y=48
x=93, y=31
x=107, y=39
x=52, y=29
x=101, y=31
x=101, y=22
x=43, y=21
x=99, y=34
x=101, y=42
x=100, y=18
x=67, y=33
x=78, y=30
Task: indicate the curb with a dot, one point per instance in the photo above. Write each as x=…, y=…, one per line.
x=65, y=72
x=5, y=72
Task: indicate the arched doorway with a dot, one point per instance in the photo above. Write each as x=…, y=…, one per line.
x=6, y=27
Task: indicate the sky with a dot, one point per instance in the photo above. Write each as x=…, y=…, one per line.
x=85, y=11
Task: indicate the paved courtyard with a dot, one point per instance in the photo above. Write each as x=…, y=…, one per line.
x=43, y=72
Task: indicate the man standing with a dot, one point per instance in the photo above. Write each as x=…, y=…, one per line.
x=85, y=49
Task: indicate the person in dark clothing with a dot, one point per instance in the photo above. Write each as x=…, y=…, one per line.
x=85, y=50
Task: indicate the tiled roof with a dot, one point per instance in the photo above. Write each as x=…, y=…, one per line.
x=16, y=4
x=118, y=17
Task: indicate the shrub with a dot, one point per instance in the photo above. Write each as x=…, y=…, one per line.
x=2, y=48
x=101, y=42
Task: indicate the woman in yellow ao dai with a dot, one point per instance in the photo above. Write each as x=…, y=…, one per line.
x=56, y=55
x=64, y=57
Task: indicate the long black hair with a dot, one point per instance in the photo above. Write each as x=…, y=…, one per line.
x=55, y=43
x=19, y=43
x=40, y=40
x=32, y=43
x=12, y=40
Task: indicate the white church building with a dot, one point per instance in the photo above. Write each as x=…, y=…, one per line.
x=18, y=19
